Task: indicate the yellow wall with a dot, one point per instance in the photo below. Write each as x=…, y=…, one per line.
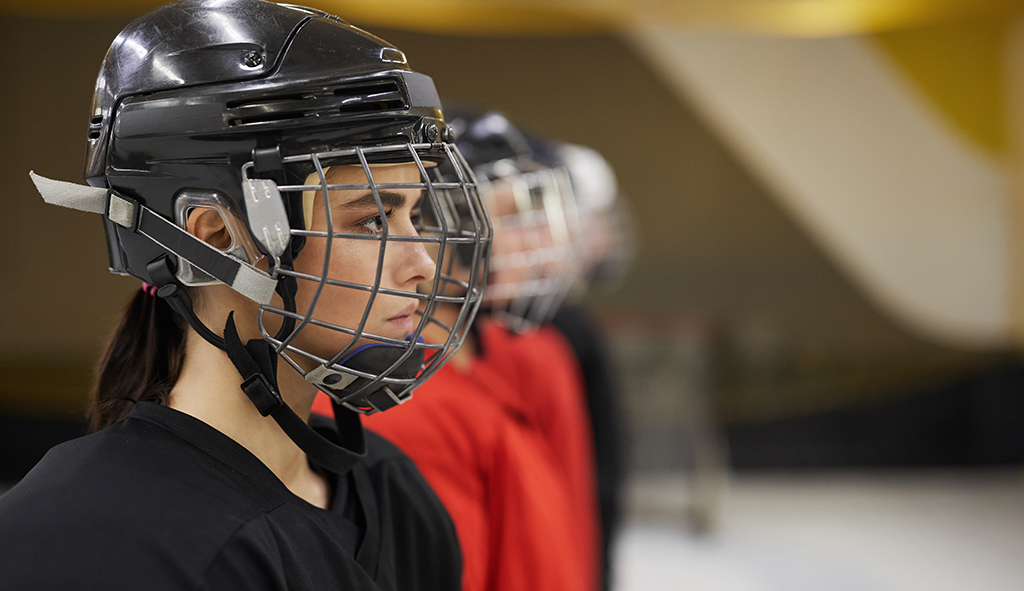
x=960, y=67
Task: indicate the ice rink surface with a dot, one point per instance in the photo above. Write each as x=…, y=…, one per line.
x=831, y=531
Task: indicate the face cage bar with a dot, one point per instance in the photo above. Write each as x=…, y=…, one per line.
x=467, y=225
x=535, y=298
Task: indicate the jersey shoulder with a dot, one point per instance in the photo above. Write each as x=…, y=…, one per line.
x=132, y=506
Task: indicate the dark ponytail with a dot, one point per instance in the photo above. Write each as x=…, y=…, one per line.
x=142, y=361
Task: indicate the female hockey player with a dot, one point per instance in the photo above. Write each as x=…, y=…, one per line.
x=266, y=171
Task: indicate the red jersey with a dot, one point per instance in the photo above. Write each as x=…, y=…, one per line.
x=543, y=369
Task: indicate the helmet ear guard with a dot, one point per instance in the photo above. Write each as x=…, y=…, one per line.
x=242, y=246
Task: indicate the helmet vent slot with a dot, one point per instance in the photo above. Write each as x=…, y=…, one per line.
x=95, y=127
x=365, y=97
x=384, y=95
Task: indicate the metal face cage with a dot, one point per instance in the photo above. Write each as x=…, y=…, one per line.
x=537, y=255
x=360, y=368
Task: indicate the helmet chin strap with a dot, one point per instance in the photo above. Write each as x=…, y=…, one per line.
x=256, y=361
x=161, y=273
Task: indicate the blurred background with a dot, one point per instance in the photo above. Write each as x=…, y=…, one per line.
x=819, y=338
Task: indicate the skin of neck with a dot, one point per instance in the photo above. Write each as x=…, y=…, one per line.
x=209, y=389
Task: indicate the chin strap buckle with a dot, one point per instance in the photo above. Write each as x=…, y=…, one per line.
x=258, y=360
x=262, y=394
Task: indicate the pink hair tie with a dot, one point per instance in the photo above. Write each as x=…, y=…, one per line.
x=150, y=289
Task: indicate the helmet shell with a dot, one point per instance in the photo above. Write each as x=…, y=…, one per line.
x=187, y=92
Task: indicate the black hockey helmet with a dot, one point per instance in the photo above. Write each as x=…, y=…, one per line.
x=242, y=106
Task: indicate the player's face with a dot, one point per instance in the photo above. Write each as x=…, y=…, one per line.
x=510, y=254
x=525, y=251
x=355, y=261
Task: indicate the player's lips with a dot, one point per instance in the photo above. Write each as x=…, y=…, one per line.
x=404, y=319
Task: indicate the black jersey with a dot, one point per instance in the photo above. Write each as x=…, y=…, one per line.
x=161, y=500
x=603, y=395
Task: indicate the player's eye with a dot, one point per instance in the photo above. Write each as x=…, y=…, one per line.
x=375, y=224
